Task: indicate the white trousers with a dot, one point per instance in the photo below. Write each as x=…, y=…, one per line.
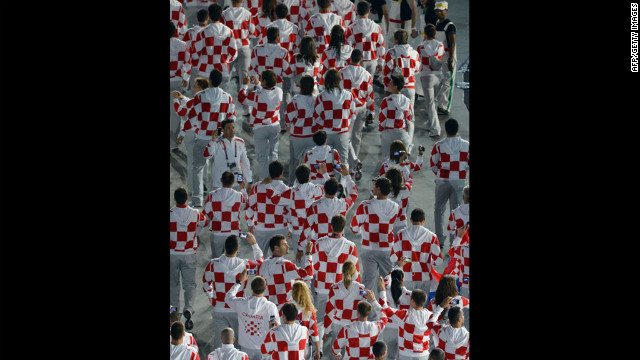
x=430, y=87
x=266, y=145
x=182, y=266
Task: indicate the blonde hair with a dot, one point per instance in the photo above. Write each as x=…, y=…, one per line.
x=348, y=271
x=302, y=295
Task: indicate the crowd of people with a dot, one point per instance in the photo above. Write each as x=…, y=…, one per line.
x=308, y=68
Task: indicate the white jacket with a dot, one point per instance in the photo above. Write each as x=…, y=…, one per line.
x=227, y=352
x=253, y=317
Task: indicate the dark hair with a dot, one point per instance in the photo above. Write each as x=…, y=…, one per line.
x=172, y=29
x=397, y=276
x=275, y=241
x=396, y=145
x=258, y=285
x=306, y=84
x=275, y=169
x=338, y=222
x=363, y=8
x=446, y=287
x=302, y=173
x=364, y=308
x=378, y=347
x=231, y=244
x=320, y=137
x=324, y=4
x=282, y=11
x=356, y=55
x=451, y=126
x=273, y=34
x=215, y=77
x=436, y=354
x=454, y=314
x=180, y=196
x=395, y=175
x=401, y=36
x=202, y=15
x=397, y=81
x=419, y=297
x=430, y=31
x=384, y=185
x=177, y=330
x=307, y=51
x=332, y=79
x=331, y=186
x=227, y=178
x=290, y=311
x=227, y=121
x=269, y=76
x=337, y=40
x=215, y=12
x=269, y=8
x=417, y=215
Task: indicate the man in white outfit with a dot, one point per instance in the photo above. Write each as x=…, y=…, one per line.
x=227, y=351
x=228, y=153
x=180, y=350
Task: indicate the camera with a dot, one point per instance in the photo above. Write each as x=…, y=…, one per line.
x=421, y=148
x=243, y=235
x=173, y=308
x=338, y=167
x=315, y=166
x=252, y=271
x=455, y=301
x=219, y=131
x=363, y=292
x=272, y=320
x=398, y=153
x=239, y=178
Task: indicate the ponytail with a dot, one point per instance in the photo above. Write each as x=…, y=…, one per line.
x=397, y=276
x=348, y=271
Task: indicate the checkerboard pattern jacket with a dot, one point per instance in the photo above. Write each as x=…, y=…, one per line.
x=239, y=19
x=405, y=58
x=265, y=104
x=262, y=212
x=356, y=79
x=330, y=253
x=407, y=168
x=450, y=158
x=403, y=201
x=182, y=107
x=289, y=35
x=396, y=112
x=184, y=225
x=319, y=28
x=321, y=155
x=413, y=333
x=421, y=247
x=253, y=6
x=299, y=115
x=366, y=36
x=177, y=16
x=270, y=57
x=221, y=274
x=428, y=50
x=280, y=274
x=404, y=301
x=286, y=342
x=329, y=59
x=211, y=106
x=374, y=222
x=297, y=199
x=335, y=110
x=458, y=218
x=222, y=207
x=215, y=48
x=454, y=342
x=358, y=337
x=190, y=39
x=179, y=60
x=342, y=305
x=345, y=9
x=458, y=265
x=300, y=67
x=298, y=13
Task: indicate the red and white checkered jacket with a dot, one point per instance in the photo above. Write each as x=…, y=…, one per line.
x=321, y=155
x=450, y=158
x=289, y=35
x=298, y=13
x=239, y=20
x=395, y=112
x=356, y=79
x=407, y=168
x=297, y=199
x=300, y=115
x=330, y=253
x=463, y=302
x=345, y=9
x=262, y=212
x=421, y=247
x=308, y=4
x=413, y=333
x=182, y=107
x=459, y=260
x=453, y=341
x=335, y=110
x=404, y=301
x=286, y=342
x=427, y=50
x=374, y=222
x=270, y=57
x=280, y=274
x=185, y=223
x=342, y=305
x=179, y=61
x=407, y=59
x=253, y=6
x=211, y=106
x=403, y=201
x=215, y=49
x=221, y=274
x=300, y=67
x=319, y=28
x=331, y=60
x=358, y=337
x=319, y=214
x=199, y=3
x=222, y=207
x=366, y=36
x=190, y=39
x=458, y=218
x=227, y=352
x=308, y=320
x=184, y=352
x=253, y=317
x=265, y=105
x=177, y=16
x=260, y=22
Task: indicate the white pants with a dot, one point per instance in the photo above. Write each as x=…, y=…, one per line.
x=355, y=137
x=198, y=161
x=431, y=87
x=266, y=145
x=374, y=263
x=446, y=191
x=297, y=148
x=390, y=338
x=320, y=302
x=340, y=142
x=241, y=64
x=182, y=266
x=445, y=95
x=175, y=122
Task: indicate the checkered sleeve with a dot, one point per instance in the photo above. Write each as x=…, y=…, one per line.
x=353, y=256
x=382, y=117
x=366, y=92
x=246, y=97
x=352, y=192
x=359, y=218
x=253, y=63
x=269, y=344
x=380, y=47
x=207, y=283
x=330, y=311
x=230, y=46
x=389, y=64
x=396, y=249
x=310, y=227
x=252, y=207
x=435, y=159
x=209, y=150
x=292, y=272
x=397, y=316
x=340, y=341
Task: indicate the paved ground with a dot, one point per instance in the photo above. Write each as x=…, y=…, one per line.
x=422, y=195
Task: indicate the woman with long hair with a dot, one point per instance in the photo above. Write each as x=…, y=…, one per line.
x=447, y=287
x=305, y=62
x=400, y=192
x=306, y=315
x=337, y=55
x=400, y=298
x=399, y=157
x=266, y=16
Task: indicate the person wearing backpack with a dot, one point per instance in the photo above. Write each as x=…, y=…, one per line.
x=446, y=33
x=431, y=52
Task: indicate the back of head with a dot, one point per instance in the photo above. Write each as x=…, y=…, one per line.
x=215, y=76
x=395, y=175
x=275, y=241
x=419, y=297
x=397, y=277
x=324, y=4
x=172, y=29
x=348, y=271
x=306, y=84
x=227, y=178
x=180, y=196
x=430, y=31
x=454, y=314
x=302, y=173
x=320, y=137
x=290, y=311
x=379, y=348
x=231, y=244
x=417, y=215
x=308, y=50
x=203, y=83
x=269, y=76
x=401, y=36
x=384, y=185
x=282, y=11
x=364, y=308
x=396, y=146
x=215, y=12
x=451, y=126
x=331, y=187
x=446, y=287
x=273, y=34
x=363, y=8
x=397, y=81
x=356, y=55
x=275, y=169
x=338, y=222
x=332, y=79
x=302, y=295
x=202, y=15
x=337, y=37
x=177, y=330
x=436, y=354
x=227, y=335
x=269, y=8
x=258, y=285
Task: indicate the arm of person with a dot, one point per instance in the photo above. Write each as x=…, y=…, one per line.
x=414, y=18
x=230, y=297
x=207, y=283
x=452, y=43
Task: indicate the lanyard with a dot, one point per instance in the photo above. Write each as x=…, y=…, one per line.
x=235, y=150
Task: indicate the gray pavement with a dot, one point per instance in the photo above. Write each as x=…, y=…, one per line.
x=421, y=196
